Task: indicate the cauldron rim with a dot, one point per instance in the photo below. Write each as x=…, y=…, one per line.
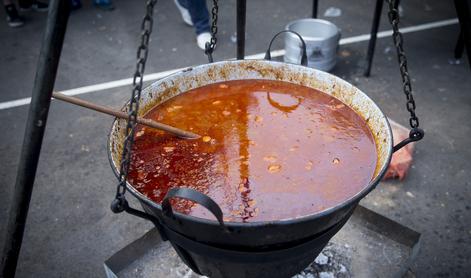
x=280, y=222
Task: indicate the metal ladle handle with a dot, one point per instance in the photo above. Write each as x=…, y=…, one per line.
x=303, y=47
x=195, y=196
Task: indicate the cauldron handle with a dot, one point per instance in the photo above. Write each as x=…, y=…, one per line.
x=195, y=196
x=303, y=52
x=121, y=204
x=415, y=134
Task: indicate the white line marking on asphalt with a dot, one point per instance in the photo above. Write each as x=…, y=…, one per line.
x=275, y=53
x=404, y=30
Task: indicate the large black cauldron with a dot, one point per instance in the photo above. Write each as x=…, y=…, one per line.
x=207, y=245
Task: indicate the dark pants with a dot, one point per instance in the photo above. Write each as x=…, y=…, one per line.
x=199, y=14
x=25, y=3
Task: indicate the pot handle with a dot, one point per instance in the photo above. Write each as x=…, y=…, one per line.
x=195, y=196
x=415, y=134
x=303, y=48
x=121, y=204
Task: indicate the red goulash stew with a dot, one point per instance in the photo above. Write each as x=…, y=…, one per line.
x=269, y=150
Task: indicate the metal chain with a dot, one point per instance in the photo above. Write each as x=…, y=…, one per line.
x=119, y=204
x=209, y=47
x=393, y=15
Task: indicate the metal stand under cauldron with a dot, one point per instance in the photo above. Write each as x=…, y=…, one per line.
x=367, y=246
x=207, y=258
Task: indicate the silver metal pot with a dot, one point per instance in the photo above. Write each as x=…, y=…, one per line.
x=321, y=38
x=258, y=233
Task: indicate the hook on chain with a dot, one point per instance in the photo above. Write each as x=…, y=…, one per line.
x=119, y=204
x=209, y=51
x=209, y=46
x=416, y=133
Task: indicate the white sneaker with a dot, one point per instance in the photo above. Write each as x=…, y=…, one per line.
x=202, y=39
x=185, y=14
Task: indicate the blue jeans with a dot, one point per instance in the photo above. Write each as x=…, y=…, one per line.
x=199, y=14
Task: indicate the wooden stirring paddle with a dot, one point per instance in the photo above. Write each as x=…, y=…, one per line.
x=122, y=115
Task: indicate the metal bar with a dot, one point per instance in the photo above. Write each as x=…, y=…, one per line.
x=315, y=5
x=241, y=15
x=373, y=36
x=35, y=125
x=462, y=9
x=459, y=48
x=396, y=4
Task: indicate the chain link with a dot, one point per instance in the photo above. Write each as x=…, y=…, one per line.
x=118, y=204
x=393, y=15
x=209, y=47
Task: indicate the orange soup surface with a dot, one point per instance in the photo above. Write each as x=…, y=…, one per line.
x=269, y=150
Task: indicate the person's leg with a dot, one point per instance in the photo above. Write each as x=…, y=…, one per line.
x=197, y=10
x=199, y=15
x=106, y=5
x=75, y=4
x=26, y=5
x=183, y=3
x=182, y=6
x=13, y=19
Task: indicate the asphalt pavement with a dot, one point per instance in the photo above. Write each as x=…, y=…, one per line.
x=71, y=230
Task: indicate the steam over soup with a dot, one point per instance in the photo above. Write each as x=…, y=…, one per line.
x=269, y=150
